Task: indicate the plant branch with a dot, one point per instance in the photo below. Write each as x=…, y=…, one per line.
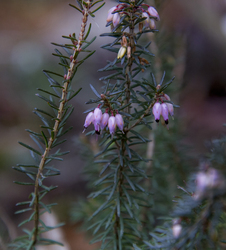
x=141, y=118
x=55, y=130
x=127, y=100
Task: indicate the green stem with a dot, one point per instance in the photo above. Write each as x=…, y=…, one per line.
x=124, y=140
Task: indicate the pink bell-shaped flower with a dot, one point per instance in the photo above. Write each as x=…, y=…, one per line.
x=170, y=109
x=97, y=116
x=96, y=127
x=153, y=13
x=157, y=110
x=119, y=121
x=97, y=119
x=112, y=125
x=110, y=15
x=152, y=25
x=147, y=20
x=89, y=120
x=104, y=121
x=116, y=19
x=165, y=113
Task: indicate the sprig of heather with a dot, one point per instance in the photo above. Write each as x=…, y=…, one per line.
x=121, y=110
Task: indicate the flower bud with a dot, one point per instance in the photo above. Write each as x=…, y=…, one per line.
x=112, y=125
x=167, y=97
x=89, y=120
x=104, y=121
x=152, y=25
x=141, y=25
x=202, y=183
x=177, y=228
x=170, y=108
x=124, y=41
x=121, y=52
x=215, y=179
x=128, y=52
x=110, y=15
x=153, y=13
x=119, y=121
x=156, y=110
x=116, y=19
x=207, y=181
x=147, y=20
x=165, y=113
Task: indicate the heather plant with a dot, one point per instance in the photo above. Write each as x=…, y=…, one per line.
x=132, y=104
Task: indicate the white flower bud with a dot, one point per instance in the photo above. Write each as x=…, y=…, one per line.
x=121, y=52
x=202, y=182
x=177, y=228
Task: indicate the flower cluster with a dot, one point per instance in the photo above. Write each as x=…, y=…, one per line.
x=100, y=121
x=114, y=16
x=151, y=14
x=162, y=108
x=208, y=181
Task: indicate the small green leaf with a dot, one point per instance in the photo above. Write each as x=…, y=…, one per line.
x=30, y=148
x=50, y=242
x=98, y=8
x=127, y=195
x=74, y=94
x=130, y=182
x=23, y=210
x=101, y=208
x=103, y=178
x=94, y=91
x=24, y=183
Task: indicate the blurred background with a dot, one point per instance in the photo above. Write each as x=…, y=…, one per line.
x=191, y=43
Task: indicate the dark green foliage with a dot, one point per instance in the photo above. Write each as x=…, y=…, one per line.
x=199, y=209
